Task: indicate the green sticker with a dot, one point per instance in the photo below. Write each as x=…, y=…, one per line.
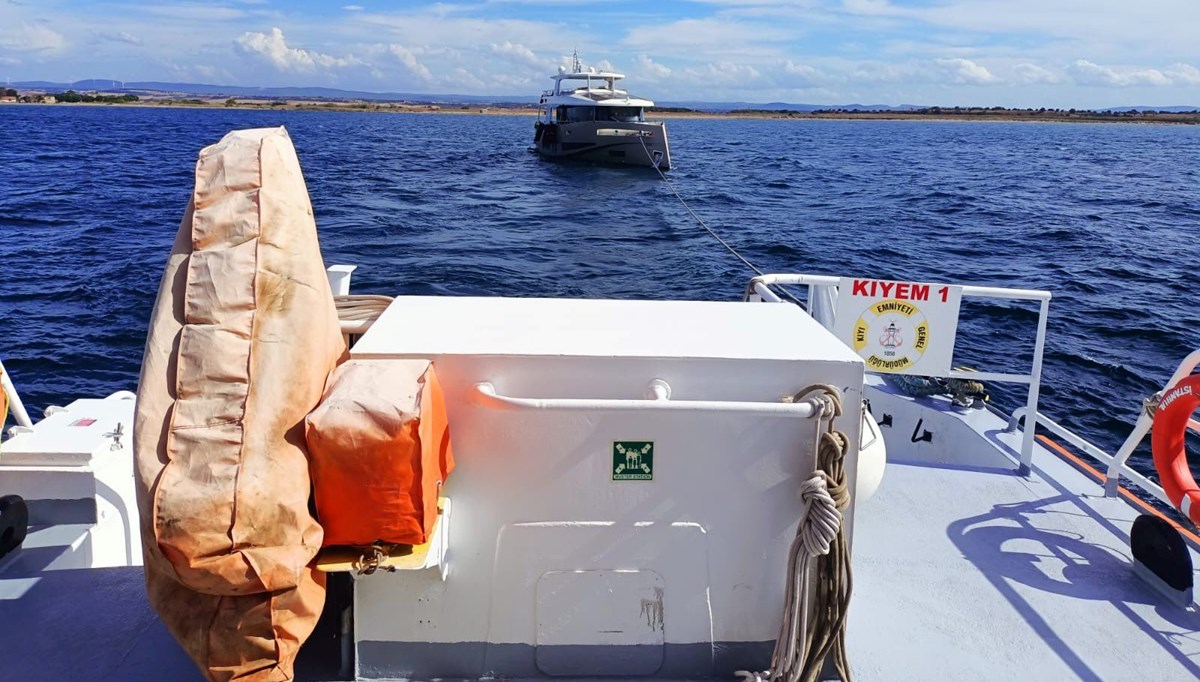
x=633, y=460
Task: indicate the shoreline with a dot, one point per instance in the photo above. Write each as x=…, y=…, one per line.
x=976, y=115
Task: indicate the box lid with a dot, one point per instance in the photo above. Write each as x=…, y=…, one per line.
x=427, y=326
x=74, y=435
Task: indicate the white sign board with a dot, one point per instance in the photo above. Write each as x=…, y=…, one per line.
x=899, y=327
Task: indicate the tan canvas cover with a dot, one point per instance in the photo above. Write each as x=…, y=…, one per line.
x=241, y=341
x=379, y=449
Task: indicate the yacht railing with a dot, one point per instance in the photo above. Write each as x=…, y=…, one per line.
x=822, y=300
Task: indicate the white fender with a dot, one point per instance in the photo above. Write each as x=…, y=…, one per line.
x=872, y=458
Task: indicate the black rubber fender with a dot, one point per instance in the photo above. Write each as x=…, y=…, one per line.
x=14, y=523
x=1159, y=547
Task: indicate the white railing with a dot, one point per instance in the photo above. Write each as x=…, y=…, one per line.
x=20, y=416
x=657, y=398
x=822, y=299
x=1117, y=464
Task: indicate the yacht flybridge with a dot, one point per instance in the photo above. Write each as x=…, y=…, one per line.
x=586, y=116
x=323, y=486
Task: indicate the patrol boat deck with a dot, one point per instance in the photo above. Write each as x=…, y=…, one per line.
x=984, y=554
x=637, y=489
x=966, y=570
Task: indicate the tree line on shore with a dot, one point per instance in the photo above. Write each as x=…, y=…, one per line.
x=69, y=96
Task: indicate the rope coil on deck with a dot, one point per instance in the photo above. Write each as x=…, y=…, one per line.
x=360, y=307
x=802, y=647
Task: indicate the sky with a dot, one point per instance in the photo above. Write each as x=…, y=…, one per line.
x=1015, y=53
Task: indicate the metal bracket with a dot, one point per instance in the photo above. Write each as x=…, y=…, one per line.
x=925, y=437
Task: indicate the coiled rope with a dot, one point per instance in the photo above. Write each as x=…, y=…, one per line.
x=802, y=646
x=360, y=307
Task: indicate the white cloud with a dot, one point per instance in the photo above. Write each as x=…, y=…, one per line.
x=353, y=8
x=722, y=74
x=517, y=52
x=120, y=37
x=274, y=48
x=801, y=75
x=1030, y=74
x=965, y=71
x=195, y=12
x=437, y=27
x=1183, y=74
x=31, y=38
x=469, y=79
x=650, y=69
x=880, y=72
x=1089, y=73
x=711, y=37
x=871, y=7
x=408, y=58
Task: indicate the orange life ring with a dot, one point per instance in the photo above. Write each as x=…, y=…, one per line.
x=1175, y=408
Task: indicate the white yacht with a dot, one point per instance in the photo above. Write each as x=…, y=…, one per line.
x=586, y=116
x=657, y=489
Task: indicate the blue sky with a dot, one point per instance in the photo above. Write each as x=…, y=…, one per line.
x=1053, y=53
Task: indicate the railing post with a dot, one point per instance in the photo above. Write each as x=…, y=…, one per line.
x=1140, y=429
x=1035, y=383
x=339, y=278
x=822, y=303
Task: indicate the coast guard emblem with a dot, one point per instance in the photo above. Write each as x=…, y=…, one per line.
x=891, y=335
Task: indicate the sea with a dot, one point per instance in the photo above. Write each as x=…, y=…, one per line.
x=1104, y=216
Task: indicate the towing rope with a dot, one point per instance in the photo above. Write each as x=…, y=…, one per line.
x=654, y=160
x=802, y=646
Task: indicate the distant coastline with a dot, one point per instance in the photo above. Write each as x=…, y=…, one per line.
x=994, y=114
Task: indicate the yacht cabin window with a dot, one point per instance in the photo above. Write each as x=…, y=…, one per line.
x=576, y=114
x=622, y=114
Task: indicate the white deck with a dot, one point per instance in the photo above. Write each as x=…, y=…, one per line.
x=963, y=570
x=966, y=571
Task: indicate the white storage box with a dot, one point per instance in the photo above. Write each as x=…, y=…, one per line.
x=596, y=531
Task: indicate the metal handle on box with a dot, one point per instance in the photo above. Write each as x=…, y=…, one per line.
x=658, y=398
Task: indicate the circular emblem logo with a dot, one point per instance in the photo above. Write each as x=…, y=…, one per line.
x=891, y=335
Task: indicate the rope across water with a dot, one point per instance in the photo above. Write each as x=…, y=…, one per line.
x=700, y=221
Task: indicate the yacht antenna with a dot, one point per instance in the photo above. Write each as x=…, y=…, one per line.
x=576, y=66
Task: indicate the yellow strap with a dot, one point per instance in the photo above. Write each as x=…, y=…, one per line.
x=3, y=407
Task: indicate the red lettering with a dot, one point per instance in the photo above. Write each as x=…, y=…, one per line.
x=902, y=290
x=860, y=288
x=920, y=292
x=887, y=288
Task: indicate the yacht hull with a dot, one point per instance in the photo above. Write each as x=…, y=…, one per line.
x=610, y=142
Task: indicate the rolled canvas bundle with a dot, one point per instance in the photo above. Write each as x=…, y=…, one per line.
x=243, y=337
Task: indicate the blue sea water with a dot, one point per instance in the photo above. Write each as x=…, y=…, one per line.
x=1104, y=216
